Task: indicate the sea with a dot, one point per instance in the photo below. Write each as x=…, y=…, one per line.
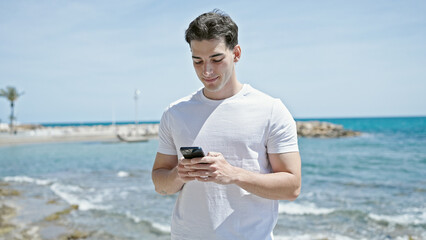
x=368, y=187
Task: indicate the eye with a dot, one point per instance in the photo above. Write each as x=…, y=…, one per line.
x=217, y=60
x=198, y=62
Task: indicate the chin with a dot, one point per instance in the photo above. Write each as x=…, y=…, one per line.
x=213, y=89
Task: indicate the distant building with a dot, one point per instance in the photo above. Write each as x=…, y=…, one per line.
x=4, y=127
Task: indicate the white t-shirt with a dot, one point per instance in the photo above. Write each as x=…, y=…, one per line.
x=244, y=128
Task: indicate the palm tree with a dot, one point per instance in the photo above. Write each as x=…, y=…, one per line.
x=12, y=95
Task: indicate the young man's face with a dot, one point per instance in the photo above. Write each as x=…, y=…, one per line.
x=214, y=64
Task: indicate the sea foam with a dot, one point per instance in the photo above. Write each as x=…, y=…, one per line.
x=156, y=227
x=303, y=209
x=403, y=219
x=78, y=196
x=161, y=227
x=315, y=236
x=25, y=179
x=123, y=174
x=134, y=218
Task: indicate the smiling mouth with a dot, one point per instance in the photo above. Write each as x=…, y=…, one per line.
x=210, y=79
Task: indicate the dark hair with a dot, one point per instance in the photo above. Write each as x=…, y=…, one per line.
x=213, y=25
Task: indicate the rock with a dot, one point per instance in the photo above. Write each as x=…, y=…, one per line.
x=75, y=235
x=6, y=228
x=319, y=129
x=55, y=216
x=6, y=213
x=9, y=192
x=52, y=201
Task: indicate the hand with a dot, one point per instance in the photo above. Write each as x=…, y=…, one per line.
x=183, y=170
x=212, y=168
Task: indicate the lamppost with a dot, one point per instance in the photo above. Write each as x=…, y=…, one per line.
x=137, y=92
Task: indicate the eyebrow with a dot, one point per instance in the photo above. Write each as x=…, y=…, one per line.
x=212, y=56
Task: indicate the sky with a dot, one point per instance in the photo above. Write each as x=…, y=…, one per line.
x=82, y=60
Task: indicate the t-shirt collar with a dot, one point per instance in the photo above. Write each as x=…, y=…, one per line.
x=203, y=98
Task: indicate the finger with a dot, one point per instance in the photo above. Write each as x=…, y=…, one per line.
x=213, y=154
x=187, y=179
x=185, y=161
x=204, y=179
x=212, y=157
x=183, y=168
x=184, y=172
x=199, y=173
x=202, y=160
x=200, y=166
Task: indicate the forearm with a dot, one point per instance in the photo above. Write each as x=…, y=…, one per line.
x=166, y=181
x=277, y=186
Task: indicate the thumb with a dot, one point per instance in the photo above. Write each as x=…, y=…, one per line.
x=213, y=154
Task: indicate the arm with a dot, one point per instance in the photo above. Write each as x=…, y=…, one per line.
x=168, y=175
x=164, y=174
x=283, y=183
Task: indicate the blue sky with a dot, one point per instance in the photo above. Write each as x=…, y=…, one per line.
x=81, y=61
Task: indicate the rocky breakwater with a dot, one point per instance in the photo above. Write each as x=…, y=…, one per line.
x=317, y=129
x=25, y=134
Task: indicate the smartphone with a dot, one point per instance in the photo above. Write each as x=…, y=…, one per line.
x=192, y=152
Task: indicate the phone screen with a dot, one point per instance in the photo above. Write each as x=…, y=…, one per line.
x=192, y=152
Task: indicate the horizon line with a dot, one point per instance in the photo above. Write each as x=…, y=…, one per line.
x=157, y=121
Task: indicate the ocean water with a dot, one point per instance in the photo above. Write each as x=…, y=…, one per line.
x=367, y=187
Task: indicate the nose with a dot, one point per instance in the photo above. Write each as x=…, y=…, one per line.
x=208, y=70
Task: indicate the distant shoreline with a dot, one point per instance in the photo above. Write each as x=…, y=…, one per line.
x=76, y=124
x=82, y=132
x=28, y=134
x=107, y=123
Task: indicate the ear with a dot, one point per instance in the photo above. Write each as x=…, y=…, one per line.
x=237, y=53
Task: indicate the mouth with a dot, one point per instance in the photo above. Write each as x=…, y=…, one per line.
x=210, y=80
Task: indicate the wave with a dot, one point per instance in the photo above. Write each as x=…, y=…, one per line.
x=25, y=179
x=134, y=218
x=316, y=236
x=404, y=219
x=154, y=226
x=123, y=174
x=303, y=209
x=161, y=227
x=75, y=195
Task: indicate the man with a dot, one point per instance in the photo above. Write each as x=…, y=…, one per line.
x=251, y=140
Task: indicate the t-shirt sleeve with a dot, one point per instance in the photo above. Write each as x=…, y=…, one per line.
x=165, y=140
x=282, y=130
